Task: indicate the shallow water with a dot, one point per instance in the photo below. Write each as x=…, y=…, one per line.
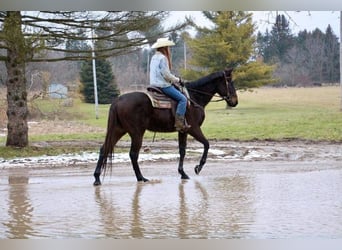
x=260, y=200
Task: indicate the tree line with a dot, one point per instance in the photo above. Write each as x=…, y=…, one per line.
x=308, y=58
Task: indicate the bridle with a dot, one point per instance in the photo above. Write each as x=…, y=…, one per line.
x=228, y=81
x=222, y=98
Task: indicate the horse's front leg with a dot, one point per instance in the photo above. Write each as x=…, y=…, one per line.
x=198, y=135
x=182, y=138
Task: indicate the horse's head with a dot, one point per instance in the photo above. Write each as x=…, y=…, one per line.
x=227, y=90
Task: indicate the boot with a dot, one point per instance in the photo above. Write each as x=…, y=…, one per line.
x=180, y=123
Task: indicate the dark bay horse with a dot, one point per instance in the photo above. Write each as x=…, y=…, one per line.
x=133, y=113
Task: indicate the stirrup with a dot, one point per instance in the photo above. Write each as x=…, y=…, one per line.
x=184, y=128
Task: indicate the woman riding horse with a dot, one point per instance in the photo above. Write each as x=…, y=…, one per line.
x=161, y=77
x=132, y=113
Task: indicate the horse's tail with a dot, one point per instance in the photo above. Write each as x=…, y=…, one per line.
x=109, y=143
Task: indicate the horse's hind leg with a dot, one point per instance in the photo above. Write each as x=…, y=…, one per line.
x=134, y=155
x=101, y=161
x=99, y=164
x=182, y=137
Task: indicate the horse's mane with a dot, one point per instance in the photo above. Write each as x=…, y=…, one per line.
x=204, y=80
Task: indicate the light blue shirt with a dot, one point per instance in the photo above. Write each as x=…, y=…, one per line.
x=160, y=75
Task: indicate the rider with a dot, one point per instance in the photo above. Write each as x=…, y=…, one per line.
x=160, y=76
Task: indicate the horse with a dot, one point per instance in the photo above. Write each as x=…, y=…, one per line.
x=132, y=113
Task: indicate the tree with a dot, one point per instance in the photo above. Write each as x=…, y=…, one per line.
x=331, y=51
x=107, y=88
x=278, y=41
x=304, y=59
x=230, y=43
x=28, y=36
x=18, y=53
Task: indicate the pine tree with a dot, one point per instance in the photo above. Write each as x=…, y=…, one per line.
x=231, y=43
x=331, y=50
x=280, y=41
x=106, y=86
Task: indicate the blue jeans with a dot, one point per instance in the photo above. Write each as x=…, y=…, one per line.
x=178, y=96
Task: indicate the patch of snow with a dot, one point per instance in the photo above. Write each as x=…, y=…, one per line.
x=76, y=159
x=211, y=151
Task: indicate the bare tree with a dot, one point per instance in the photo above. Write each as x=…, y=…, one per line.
x=29, y=36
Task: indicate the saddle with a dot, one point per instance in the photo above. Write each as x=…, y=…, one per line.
x=160, y=100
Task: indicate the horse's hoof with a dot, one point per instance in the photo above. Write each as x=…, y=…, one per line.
x=143, y=180
x=97, y=183
x=185, y=177
x=197, y=169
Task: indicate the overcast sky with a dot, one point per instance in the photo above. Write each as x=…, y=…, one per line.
x=299, y=21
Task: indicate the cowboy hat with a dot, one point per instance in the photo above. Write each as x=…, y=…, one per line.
x=162, y=42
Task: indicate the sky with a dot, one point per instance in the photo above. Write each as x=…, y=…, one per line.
x=299, y=21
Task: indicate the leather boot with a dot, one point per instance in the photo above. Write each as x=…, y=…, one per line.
x=180, y=123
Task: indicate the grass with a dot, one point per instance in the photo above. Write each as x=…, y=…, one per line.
x=264, y=114
x=278, y=114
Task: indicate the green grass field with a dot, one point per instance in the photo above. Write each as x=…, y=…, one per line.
x=277, y=114
x=263, y=114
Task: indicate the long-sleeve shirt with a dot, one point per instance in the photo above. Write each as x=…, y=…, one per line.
x=160, y=75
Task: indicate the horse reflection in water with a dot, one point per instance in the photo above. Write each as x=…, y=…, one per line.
x=133, y=114
x=148, y=221
x=186, y=229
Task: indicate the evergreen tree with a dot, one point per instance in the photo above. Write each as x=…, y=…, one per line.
x=331, y=49
x=280, y=41
x=231, y=43
x=106, y=86
x=313, y=57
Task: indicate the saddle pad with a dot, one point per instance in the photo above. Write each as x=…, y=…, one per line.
x=159, y=100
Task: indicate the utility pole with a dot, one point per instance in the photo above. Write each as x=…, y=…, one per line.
x=184, y=55
x=341, y=60
x=148, y=65
x=94, y=76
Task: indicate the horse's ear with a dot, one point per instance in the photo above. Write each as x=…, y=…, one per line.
x=229, y=70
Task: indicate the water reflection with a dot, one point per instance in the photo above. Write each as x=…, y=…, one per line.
x=231, y=210
x=252, y=202
x=193, y=211
x=19, y=208
x=183, y=212
x=179, y=215
x=119, y=219
x=136, y=228
x=107, y=214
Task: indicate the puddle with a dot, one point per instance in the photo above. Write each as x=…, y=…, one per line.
x=229, y=200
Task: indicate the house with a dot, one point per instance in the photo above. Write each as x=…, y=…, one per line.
x=58, y=91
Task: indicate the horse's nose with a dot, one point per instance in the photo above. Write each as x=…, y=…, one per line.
x=233, y=102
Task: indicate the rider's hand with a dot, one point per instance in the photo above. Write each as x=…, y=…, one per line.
x=181, y=83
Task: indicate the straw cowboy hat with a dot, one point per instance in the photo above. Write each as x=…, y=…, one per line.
x=162, y=42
